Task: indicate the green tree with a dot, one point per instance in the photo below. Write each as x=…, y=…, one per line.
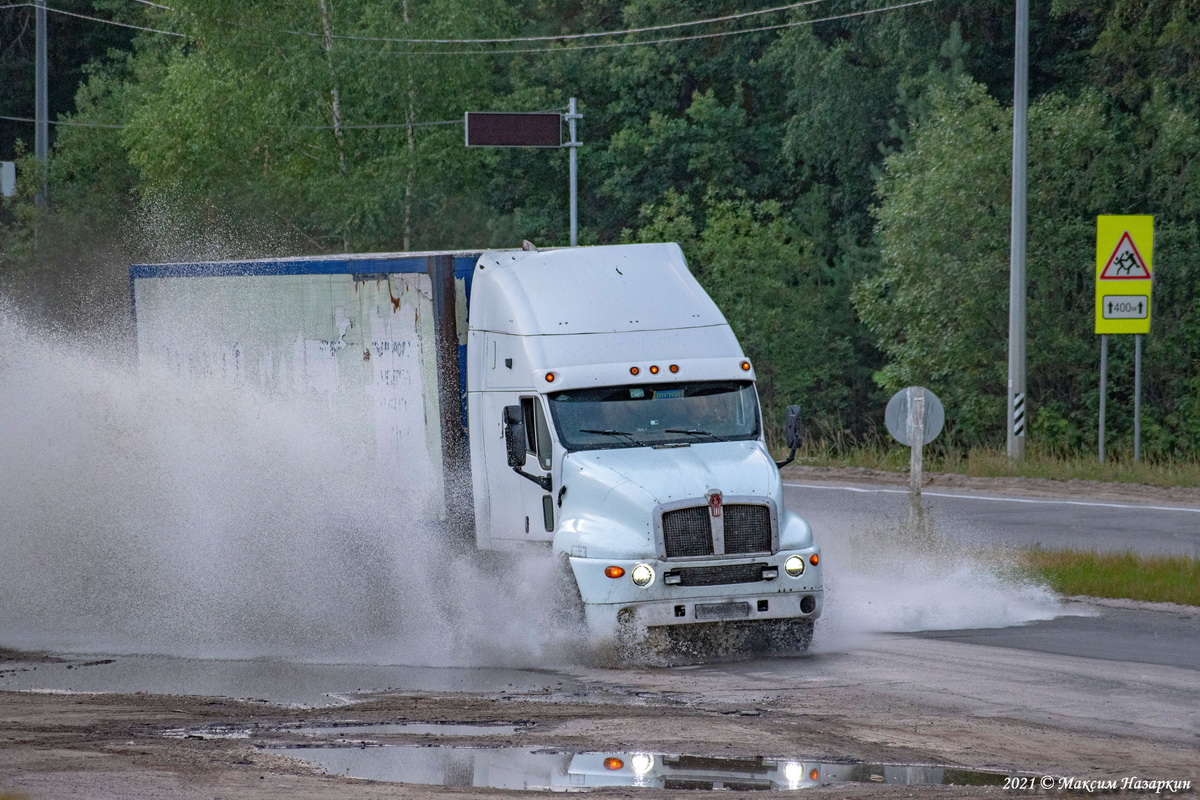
x=939, y=305
x=759, y=269
x=297, y=116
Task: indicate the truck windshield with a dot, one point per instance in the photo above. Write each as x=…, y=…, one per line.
x=655, y=414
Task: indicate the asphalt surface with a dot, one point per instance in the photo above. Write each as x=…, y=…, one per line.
x=978, y=519
x=1136, y=635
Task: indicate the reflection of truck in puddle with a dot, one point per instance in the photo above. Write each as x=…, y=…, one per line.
x=534, y=768
x=732, y=774
x=591, y=401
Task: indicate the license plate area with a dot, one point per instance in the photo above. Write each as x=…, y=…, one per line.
x=711, y=611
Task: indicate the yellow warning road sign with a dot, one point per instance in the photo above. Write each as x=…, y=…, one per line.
x=1124, y=273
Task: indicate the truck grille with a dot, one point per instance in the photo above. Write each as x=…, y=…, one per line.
x=718, y=575
x=687, y=532
x=747, y=529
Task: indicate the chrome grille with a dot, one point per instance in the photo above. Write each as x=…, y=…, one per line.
x=686, y=532
x=747, y=529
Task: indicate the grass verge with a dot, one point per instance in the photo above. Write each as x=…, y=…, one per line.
x=991, y=463
x=1157, y=579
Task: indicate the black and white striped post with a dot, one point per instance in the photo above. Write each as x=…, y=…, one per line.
x=1018, y=414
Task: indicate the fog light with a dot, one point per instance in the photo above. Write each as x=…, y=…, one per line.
x=794, y=566
x=643, y=575
x=642, y=763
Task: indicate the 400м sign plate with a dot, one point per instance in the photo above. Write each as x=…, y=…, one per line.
x=1124, y=273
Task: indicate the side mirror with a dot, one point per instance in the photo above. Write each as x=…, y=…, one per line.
x=514, y=435
x=795, y=427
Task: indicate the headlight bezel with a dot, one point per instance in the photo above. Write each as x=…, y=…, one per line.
x=642, y=575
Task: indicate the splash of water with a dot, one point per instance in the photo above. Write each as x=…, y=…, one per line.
x=891, y=576
x=144, y=512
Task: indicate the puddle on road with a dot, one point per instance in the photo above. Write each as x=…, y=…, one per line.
x=539, y=768
x=352, y=733
x=408, y=729
x=279, y=682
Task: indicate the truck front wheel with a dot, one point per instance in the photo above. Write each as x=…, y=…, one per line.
x=788, y=636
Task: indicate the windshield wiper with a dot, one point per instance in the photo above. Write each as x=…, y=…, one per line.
x=696, y=432
x=611, y=432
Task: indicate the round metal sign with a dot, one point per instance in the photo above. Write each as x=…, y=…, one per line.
x=895, y=417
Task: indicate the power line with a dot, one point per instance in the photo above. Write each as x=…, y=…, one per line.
x=369, y=127
x=532, y=38
x=607, y=45
x=378, y=126
x=114, y=22
x=67, y=123
x=105, y=21
x=458, y=121
x=572, y=48
x=521, y=51
x=393, y=40
x=73, y=124
x=559, y=37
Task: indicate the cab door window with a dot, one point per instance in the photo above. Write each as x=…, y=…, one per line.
x=537, y=432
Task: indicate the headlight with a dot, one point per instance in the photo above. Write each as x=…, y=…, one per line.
x=643, y=575
x=642, y=763
x=794, y=566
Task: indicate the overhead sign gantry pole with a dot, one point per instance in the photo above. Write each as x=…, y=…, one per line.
x=530, y=129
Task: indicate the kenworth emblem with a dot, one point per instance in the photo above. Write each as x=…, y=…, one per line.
x=714, y=503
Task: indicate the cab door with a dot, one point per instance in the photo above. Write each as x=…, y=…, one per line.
x=520, y=466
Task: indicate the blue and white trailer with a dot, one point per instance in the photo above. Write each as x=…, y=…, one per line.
x=592, y=401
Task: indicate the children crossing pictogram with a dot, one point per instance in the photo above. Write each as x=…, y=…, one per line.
x=1124, y=273
x=1125, y=263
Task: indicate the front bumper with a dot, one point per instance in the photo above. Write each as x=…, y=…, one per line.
x=663, y=604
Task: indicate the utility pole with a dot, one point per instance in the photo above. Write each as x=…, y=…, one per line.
x=573, y=146
x=41, y=135
x=1016, y=286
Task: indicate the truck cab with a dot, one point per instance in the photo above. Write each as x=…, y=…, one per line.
x=614, y=419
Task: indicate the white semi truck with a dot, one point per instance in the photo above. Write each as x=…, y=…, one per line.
x=591, y=400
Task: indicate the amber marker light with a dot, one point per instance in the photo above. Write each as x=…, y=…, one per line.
x=674, y=368
x=745, y=366
x=634, y=370
x=814, y=775
x=614, y=572
x=549, y=377
x=654, y=370
x=613, y=763
x=814, y=559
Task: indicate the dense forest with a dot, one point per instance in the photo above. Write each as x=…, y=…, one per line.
x=837, y=171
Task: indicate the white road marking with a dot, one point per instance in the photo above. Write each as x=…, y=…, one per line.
x=996, y=499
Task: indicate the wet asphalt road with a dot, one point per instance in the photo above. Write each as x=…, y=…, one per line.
x=1131, y=635
x=974, y=518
